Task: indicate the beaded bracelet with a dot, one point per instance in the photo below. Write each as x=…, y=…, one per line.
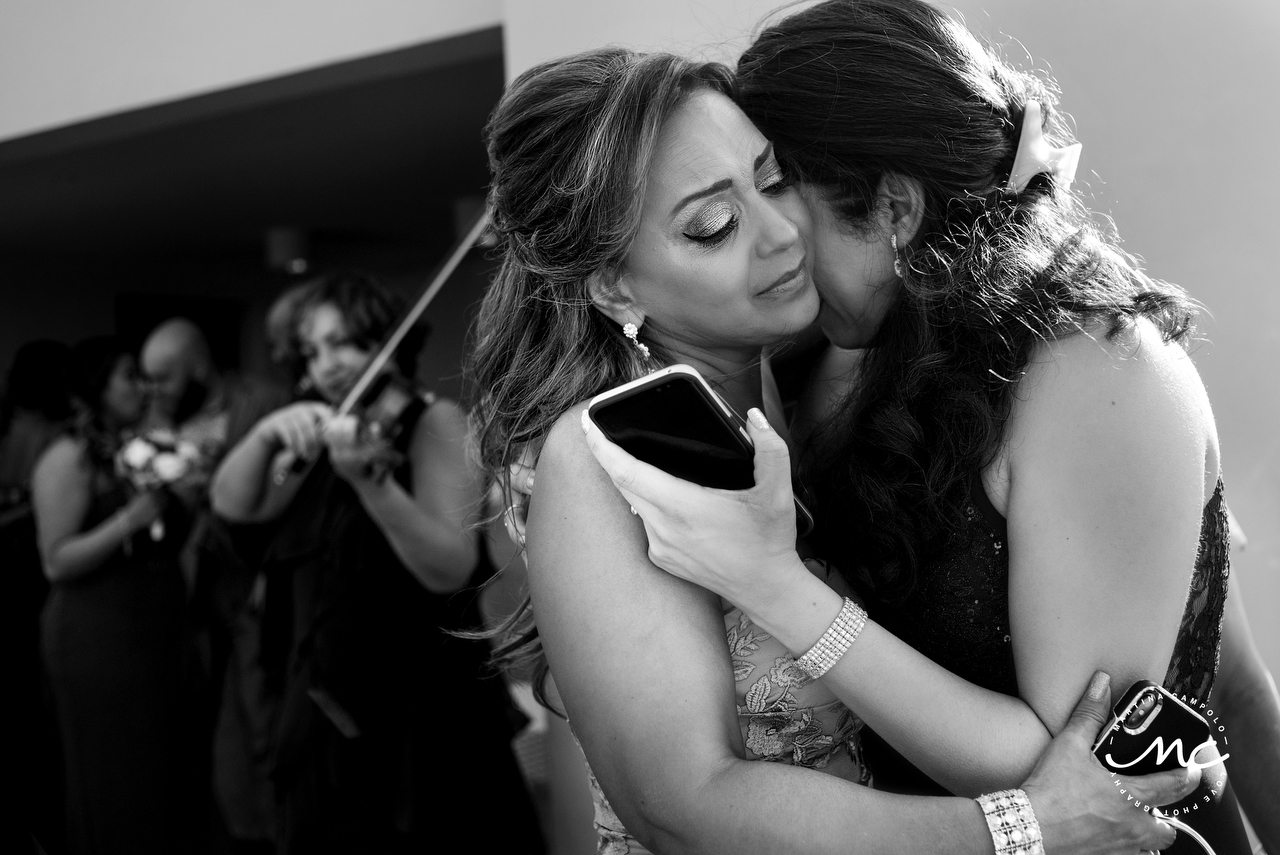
x=1012, y=823
x=833, y=644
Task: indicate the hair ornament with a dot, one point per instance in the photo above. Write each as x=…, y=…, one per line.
x=1035, y=155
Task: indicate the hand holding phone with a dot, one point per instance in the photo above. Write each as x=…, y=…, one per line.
x=1152, y=730
x=674, y=420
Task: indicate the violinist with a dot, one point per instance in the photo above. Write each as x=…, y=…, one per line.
x=374, y=533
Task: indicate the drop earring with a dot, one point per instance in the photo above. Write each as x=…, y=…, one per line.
x=632, y=332
x=897, y=259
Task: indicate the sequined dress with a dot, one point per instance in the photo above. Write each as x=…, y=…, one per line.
x=785, y=718
x=958, y=616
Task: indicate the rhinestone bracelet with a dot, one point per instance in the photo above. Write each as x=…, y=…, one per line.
x=1012, y=823
x=842, y=633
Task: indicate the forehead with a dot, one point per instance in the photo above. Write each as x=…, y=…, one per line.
x=704, y=140
x=320, y=321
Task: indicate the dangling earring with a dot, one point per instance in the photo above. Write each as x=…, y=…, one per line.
x=897, y=260
x=632, y=332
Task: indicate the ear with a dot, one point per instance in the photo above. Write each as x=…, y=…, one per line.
x=903, y=208
x=610, y=294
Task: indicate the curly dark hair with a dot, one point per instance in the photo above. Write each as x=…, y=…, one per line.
x=851, y=91
x=569, y=150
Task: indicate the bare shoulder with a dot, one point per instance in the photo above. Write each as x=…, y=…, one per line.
x=574, y=496
x=565, y=454
x=1100, y=394
x=64, y=459
x=443, y=417
x=1136, y=354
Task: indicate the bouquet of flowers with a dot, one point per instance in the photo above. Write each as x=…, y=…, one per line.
x=156, y=459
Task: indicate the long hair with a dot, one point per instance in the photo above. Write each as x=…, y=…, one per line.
x=92, y=362
x=851, y=91
x=569, y=145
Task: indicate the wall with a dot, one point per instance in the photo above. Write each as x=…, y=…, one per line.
x=709, y=29
x=72, y=60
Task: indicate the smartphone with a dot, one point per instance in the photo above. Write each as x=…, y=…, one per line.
x=1152, y=730
x=674, y=420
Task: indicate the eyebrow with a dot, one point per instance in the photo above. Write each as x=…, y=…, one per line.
x=723, y=183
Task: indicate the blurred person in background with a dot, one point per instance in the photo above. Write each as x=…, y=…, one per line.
x=34, y=410
x=385, y=728
x=112, y=630
x=213, y=408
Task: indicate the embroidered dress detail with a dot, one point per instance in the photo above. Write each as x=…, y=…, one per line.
x=785, y=718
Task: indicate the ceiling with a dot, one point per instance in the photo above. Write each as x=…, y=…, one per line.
x=376, y=149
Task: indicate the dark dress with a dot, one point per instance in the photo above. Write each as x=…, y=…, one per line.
x=388, y=739
x=958, y=616
x=115, y=648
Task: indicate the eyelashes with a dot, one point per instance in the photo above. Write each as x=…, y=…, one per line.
x=713, y=224
x=716, y=222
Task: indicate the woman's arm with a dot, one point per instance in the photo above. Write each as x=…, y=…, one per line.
x=1245, y=698
x=970, y=739
x=1112, y=455
x=429, y=529
x=641, y=663
x=61, y=491
x=244, y=487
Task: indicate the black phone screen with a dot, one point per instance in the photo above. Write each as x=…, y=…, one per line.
x=672, y=426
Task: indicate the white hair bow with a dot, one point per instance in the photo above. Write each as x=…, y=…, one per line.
x=1035, y=155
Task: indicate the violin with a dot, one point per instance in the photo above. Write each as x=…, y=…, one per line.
x=381, y=397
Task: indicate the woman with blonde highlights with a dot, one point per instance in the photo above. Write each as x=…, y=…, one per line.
x=633, y=200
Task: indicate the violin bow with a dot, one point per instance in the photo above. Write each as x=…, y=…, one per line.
x=411, y=317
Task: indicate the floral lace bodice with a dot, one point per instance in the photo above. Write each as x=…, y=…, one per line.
x=785, y=718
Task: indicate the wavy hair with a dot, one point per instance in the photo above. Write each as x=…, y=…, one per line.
x=369, y=312
x=569, y=145
x=851, y=91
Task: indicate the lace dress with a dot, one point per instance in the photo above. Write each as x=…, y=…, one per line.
x=958, y=616
x=785, y=718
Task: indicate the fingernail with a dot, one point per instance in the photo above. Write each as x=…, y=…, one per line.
x=757, y=418
x=586, y=422
x=1098, y=685
x=528, y=484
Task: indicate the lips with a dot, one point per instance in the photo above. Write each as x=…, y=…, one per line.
x=789, y=281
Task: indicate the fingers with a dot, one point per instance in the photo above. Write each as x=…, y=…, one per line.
x=340, y=432
x=521, y=472
x=300, y=429
x=1092, y=711
x=619, y=465
x=1158, y=835
x=772, y=457
x=635, y=479
x=1162, y=788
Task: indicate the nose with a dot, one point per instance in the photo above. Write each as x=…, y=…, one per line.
x=323, y=363
x=779, y=232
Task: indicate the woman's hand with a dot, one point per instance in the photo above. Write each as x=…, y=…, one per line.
x=355, y=456
x=516, y=515
x=741, y=544
x=143, y=509
x=296, y=428
x=1081, y=807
